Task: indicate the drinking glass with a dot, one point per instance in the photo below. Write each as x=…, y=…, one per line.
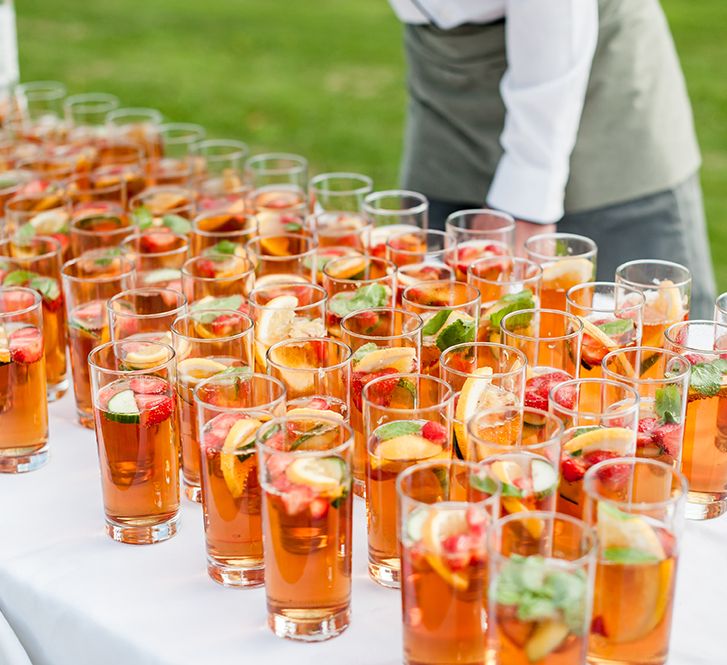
x=525, y=569
x=134, y=416
x=279, y=181
x=209, y=278
x=285, y=254
x=88, y=282
x=305, y=472
x=337, y=229
x=145, y=313
x=720, y=309
x=169, y=207
x=38, y=214
x=445, y=509
x=704, y=454
x=391, y=212
x=662, y=380
x=205, y=344
x=636, y=507
x=231, y=408
x=483, y=376
x=223, y=232
x=158, y=256
x=603, y=425
x=385, y=341
x=85, y=114
x=97, y=226
x=354, y=283
x=450, y=312
x=139, y=126
x=479, y=233
x=316, y=373
x=407, y=420
x=24, y=417
x=339, y=191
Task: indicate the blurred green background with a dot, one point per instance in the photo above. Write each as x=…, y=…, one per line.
x=324, y=78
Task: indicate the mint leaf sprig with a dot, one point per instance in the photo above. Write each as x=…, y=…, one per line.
x=706, y=377
x=667, y=404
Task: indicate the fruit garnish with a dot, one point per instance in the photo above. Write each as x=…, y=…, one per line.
x=590, y=439
x=366, y=297
x=510, y=302
x=143, y=355
x=154, y=408
x=626, y=538
x=564, y=274
x=349, y=268
x=238, y=454
x=26, y=345
x=664, y=304
x=275, y=245
x=161, y=275
x=440, y=526
x=313, y=414
x=708, y=377
x=545, y=595
x=276, y=318
x=49, y=222
x=90, y=317
x=538, y=387
x=403, y=440
x=194, y=370
x=372, y=358
x=122, y=408
x=324, y=475
x=458, y=328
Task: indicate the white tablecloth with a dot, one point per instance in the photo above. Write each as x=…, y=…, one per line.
x=71, y=596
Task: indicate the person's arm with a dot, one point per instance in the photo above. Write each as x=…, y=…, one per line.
x=550, y=46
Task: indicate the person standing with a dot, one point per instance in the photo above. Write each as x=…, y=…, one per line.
x=567, y=113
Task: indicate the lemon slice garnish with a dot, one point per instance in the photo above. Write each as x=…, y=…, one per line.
x=565, y=273
x=239, y=440
x=616, y=439
x=194, y=370
x=400, y=358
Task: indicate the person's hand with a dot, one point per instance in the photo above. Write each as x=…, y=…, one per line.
x=523, y=230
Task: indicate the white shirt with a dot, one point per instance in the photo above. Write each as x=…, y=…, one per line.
x=550, y=46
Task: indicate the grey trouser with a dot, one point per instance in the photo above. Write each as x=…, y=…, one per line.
x=668, y=225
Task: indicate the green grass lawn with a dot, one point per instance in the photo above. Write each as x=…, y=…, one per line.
x=323, y=78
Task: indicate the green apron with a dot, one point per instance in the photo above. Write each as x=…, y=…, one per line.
x=636, y=134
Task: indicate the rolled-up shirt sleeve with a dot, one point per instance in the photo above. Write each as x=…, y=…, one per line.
x=550, y=47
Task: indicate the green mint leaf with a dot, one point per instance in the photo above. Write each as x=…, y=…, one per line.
x=142, y=217
x=510, y=303
x=90, y=221
x=667, y=403
x=408, y=386
x=46, y=286
x=269, y=432
x=627, y=555
x=366, y=297
x=561, y=248
x=222, y=247
x=293, y=227
x=177, y=224
x=396, y=428
x=363, y=351
x=228, y=302
x=457, y=332
x=436, y=322
x=617, y=327
x=706, y=378
x=24, y=235
x=19, y=277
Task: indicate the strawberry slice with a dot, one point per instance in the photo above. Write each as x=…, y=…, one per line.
x=538, y=388
x=26, y=345
x=434, y=432
x=572, y=469
x=225, y=324
x=154, y=409
x=318, y=403
x=319, y=508
x=148, y=385
x=296, y=499
x=157, y=242
x=384, y=390
x=206, y=268
x=669, y=438
x=598, y=627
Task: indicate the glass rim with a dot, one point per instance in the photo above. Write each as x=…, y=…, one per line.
x=241, y=409
x=555, y=439
x=645, y=262
x=53, y=242
x=213, y=256
x=527, y=246
x=302, y=340
x=366, y=182
x=24, y=175
x=637, y=380
x=490, y=345
x=475, y=298
x=473, y=467
x=88, y=102
x=577, y=383
x=589, y=479
x=443, y=401
x=265, y=257
x=154, y=116
x=308, y=285
x=191, y=127
x=95, y=352
x=606, y=310
x=451, y=223
x=389, y=310
x=239, y=147
x=9, y=204
x=131, y=270
x=369, y=207
x=386, y=263
x=588, y=532
x=42, y=86
x=340, y=448
x=720, y=303
x=188, y=316
x=124, y=244
x=142, y=290
x=145, y=193
x=538, y=338
x=298, y=163
x=516, y=260
x=670, y=331
x=37, y=300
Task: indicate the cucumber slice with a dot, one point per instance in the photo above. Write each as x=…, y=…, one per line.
x=545, y=477
x=122, y=408
x=161, y=275
x=415, y=524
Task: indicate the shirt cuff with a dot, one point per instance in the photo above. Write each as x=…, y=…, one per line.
x=526, y=192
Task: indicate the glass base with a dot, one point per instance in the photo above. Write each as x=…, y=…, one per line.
x=595, y=660
x=386, y=576
x=192, y=492
x=359, y=488
x=142, y=535
x=705, y=506
x=24, y=463
x=230, y=576
x=57, y=390
x=309, y=625
x=85, y=419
